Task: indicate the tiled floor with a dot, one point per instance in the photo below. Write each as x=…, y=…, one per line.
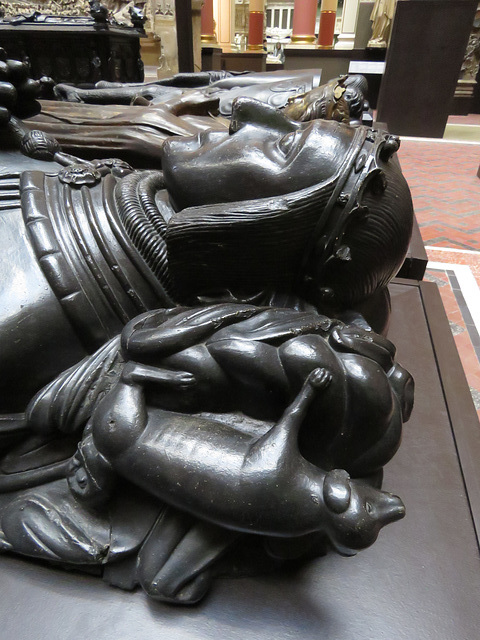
x=446, y=191
x=454, y=274
x=446, y=196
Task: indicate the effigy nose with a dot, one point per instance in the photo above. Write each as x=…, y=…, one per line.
x=390, y=509
x=250, y=111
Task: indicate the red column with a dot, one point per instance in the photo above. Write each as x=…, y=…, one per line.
x=304, y=16
x=328, y=12
x=255, y=24
x=207, y=26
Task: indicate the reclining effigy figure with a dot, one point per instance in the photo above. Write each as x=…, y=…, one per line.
x=340, y=99
x=189, y=368
x=110, y=121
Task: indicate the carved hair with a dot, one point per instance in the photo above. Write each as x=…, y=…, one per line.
x=254, y=245
x=343, y=238
x=378, y=241
x=243, y=246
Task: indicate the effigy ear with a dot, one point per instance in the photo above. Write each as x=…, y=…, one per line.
x=337, y=490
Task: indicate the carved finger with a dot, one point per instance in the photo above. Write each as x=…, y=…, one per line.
x=320, y=378
x=136, y=373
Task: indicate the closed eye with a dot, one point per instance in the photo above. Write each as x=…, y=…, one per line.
x=287, y=142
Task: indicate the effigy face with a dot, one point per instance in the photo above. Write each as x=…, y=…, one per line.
x=213, y=382
x=269, y=155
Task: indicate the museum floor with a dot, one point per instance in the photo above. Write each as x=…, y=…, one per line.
x=446, y=195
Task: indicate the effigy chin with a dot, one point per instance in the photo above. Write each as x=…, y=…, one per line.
x=195, y=375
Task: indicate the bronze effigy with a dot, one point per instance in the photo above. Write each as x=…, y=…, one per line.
x=191, y=370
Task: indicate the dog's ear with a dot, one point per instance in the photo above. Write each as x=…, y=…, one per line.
x=337, y=490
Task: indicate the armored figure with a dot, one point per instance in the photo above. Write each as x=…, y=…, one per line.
x=341, y=99
x=190, y=365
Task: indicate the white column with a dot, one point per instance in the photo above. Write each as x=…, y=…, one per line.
x=224, y=16
x=349, y=24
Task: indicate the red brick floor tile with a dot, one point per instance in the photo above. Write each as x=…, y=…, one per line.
x=463, y=342
x=445, y=191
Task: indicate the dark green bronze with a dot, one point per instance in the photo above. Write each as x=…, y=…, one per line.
x=189, y=370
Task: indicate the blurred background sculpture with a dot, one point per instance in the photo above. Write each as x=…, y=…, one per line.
x=50, y=7
x=471, y=59
x=382, y=16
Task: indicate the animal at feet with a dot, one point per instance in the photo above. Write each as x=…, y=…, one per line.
x=201, y=465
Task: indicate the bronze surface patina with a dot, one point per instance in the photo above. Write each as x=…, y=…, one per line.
x=133, y=120
x=190, y=378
